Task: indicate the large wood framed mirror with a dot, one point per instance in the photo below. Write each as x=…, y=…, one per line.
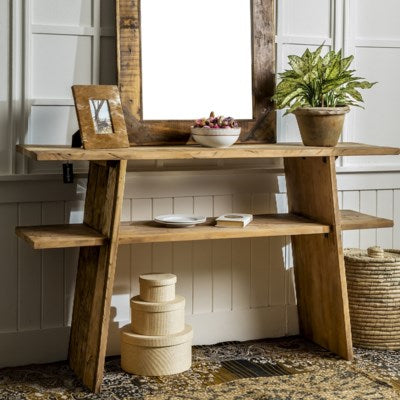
x=180, y=59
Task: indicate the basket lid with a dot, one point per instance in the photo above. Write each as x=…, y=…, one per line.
x=177, y=304
x=372, y=255
x=129, y=337
x=157, y=279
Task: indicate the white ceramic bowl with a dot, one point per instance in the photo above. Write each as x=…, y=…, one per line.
x=216, y=137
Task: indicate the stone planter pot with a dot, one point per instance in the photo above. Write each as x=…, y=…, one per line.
x=321, y=126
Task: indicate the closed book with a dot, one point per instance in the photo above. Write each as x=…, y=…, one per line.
x=234, y=220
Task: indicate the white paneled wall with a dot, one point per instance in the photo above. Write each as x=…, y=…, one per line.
x=64, y=43
x=374, y=38
x=366, y=29
x=234, y=289
x=5, y=85
x=243, y=283
x=72, y=42
x=295, y=33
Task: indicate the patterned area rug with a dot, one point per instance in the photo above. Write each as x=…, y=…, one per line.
x=278, y=369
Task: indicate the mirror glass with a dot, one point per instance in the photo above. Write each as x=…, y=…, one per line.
x=101, y=116
x=196, y=58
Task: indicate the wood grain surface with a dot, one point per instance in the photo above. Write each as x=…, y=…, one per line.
x=52, y=153
x=90, y=139
x=79, y=235
x=60, y=236
x=354, y=220
x=95, y=276
x=262, y=226
x=318, y=259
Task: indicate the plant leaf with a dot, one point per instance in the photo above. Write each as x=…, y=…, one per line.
x=355, y=94
x=346, y=62
x=295, y=106
x=297, y=64
x=290, y=97
x=316, y=81
x=363, y=84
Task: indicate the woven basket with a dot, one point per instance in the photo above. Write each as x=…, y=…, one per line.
x=373, y=281
x=156, y=355
x=157, y=319
x=157, y=287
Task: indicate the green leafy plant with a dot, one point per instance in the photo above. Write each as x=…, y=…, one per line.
x=319, y=81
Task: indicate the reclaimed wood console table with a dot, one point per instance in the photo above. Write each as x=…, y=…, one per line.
x=314, y=223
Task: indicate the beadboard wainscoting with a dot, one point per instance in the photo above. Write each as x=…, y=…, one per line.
x=234, y=289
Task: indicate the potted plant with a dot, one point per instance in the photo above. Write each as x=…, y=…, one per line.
x=216, y=131
x=319, y=90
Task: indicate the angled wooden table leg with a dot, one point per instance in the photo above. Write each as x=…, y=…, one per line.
x=318, y=259
x=95, y=276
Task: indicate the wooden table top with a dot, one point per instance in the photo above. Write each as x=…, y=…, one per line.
x=52, y=153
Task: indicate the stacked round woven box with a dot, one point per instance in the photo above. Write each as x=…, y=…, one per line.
x=157, y=342
x=373, y=281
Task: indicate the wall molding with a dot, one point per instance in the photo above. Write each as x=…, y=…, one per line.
x=207, y=168
x=33, y=347
x=304, y=40
x=63, y=30
x=377, y=43
x=50, y=345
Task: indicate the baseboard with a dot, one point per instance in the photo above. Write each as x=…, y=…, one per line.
x=292, y=320
x=241, y=325
x=50, y=345
x=33, y=347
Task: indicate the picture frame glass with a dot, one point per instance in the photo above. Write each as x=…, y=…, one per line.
x=201, y=62
x=101, y=116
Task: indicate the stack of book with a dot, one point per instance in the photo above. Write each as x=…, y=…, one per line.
x=234, y=220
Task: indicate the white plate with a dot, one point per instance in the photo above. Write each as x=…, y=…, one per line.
x=179, y=220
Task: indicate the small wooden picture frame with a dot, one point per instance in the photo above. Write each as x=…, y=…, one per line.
x=100, y=116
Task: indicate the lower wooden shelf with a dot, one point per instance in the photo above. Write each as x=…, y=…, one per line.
x=355, y=220
x=80, y=235
x=262, y=226
x=60, y=236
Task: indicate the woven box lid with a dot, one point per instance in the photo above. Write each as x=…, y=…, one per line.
x=373, y=255
x=177, y=304
x=156, y=341
x=157, y=279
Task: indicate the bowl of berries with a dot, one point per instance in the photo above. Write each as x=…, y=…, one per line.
x=216, y=131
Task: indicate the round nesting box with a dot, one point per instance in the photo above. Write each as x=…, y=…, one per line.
x=156, y=355
x=157, y=288
x=373, y=281
x=157, y=319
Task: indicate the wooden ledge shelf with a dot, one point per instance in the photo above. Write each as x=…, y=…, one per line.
x=80, y=235
x=262, y=226
x=52, y=153
x=60, y=236
x=354, y=220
